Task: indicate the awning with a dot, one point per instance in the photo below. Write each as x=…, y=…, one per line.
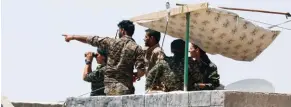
x=216, y=31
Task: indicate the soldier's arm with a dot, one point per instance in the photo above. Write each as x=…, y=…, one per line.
x=100, y=42
x=92, y=40
x=86, y=71
x=213, y=77
x=153, y=74
x=139, y=62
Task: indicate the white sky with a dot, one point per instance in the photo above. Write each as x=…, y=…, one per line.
x=38, y=65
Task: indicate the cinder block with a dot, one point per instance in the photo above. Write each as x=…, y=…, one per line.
x=80, y=102
x=133, y=101
x=199, y=98
x=108, y=101
x=217, y=98
x=156, y=100
x=177, y=99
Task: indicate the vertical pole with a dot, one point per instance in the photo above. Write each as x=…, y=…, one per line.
x=186, y=51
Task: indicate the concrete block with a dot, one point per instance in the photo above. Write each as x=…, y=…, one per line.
x=133, y=101
x=80, y=102
x=256, y=99
x=217, y=98
x=245, y=99
x=23, y=104
x=156, y=100
x=177, y=99
x=96, y=101
x=36, y=104
x=279, y=100
x=108, y=101
x=199, y=98
x=235, y=99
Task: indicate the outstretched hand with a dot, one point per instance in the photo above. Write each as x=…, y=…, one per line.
x=68, y=38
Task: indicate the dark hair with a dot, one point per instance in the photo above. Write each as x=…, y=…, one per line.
x=155, y=34
x=203, y=55
x=128, y=26
x=178, y=46
x=103, y=52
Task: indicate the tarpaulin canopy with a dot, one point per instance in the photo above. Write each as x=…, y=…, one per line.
x=216, y=31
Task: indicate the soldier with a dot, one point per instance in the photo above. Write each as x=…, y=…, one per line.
x=152, y=52
x=96, y=77
x=171, y=70
x=208, y=69
x=123, y=55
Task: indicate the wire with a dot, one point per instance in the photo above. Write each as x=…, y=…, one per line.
x=271, y=25
x=64, y=104
x=279, y=24
x=91, y=91
x=268, y=24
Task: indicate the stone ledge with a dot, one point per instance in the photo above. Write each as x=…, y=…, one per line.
x=36, y=104
x=219, y=98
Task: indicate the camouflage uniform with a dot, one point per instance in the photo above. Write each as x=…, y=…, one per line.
x=210, y=75
x=171, y=74
x=151, y=58
x=123, y=55
x=96, y=78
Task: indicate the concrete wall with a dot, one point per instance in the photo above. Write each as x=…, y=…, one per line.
x=220, y=98
x=187, y=99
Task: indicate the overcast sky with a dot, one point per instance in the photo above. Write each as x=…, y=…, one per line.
x=38, y=65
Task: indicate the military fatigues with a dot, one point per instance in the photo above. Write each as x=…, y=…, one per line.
x=96, y=78
x=210, y=75
x=123, y=55
x=151, y=57
x=171, y=74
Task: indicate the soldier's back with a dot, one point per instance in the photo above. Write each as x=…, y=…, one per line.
x=120, y=63
x=174, y=78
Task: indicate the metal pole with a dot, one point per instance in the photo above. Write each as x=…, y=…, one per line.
x=186, y=51
x=262, y=11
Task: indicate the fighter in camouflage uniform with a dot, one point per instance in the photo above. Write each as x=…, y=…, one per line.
x=96, y=77
x=152, y=53
x=208, y=69
x=123, y=55
x=171, y=70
